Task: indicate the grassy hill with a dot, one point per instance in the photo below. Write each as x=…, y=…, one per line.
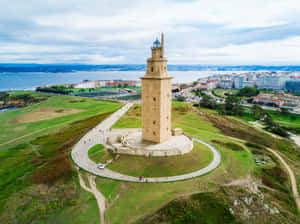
x=38, y=181
x=39, y=184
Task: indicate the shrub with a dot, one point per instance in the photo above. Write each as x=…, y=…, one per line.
x=234, y=146
x=254, y=145
x=275, y=178
x=279, y=131
x=248, y=91
x=198, y=208
x=182, y=108
x=54, y=161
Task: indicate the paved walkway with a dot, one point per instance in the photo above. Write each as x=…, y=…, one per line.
x=98, y=135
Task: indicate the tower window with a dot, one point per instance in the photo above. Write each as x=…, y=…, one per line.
x=151, y=69
x=154, y=122
x=165, y=68
x=154, y=99
x=154, y=133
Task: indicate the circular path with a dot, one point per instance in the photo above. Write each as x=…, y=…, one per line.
x=97, y=136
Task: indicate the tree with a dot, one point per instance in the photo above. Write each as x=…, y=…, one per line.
x=238, y=110
x=283, y=111
x=208, y=102
x=268, y=120
x=231, y=101
x=280, y=131
x=221, y=109
x=180, y=98
x=257, y=111
x=294, y=117
x=4, y=96
x=248, y=91
x=183, y=85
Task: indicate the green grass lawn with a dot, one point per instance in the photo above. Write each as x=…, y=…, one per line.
x=285, y=120
x=37, y=179
x=132, y=201
x=35, y=187
x=198, y=208
x=11, y=130
x=99, y=154
x=198, y=158
x=220, y=92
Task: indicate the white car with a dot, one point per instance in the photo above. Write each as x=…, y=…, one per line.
x=100, y=166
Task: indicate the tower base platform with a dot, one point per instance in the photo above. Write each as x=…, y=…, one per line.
x=129, y=141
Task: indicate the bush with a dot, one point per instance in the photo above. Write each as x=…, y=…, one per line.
x=248, y=91
x=180, y=98
x=198, y=208
x=254, y=145
x=234, y=146
x=279, y=131
x=275, y=178
x=54, y=161
x=183, y=108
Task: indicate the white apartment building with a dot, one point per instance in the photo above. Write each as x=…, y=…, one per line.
x=226, y=83
x=249, y=83
x=90, y=84
x=238, y=82
x=271, y=82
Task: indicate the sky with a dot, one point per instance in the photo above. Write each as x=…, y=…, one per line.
x=208, y=32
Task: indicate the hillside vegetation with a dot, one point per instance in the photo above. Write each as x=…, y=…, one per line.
x=38, y=181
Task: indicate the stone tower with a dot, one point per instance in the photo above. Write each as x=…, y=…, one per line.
x=156, y=96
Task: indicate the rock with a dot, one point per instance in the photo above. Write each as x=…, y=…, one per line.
x=274, y=211
x=266, y=206
x=248, y=201
x=109, y=161
x=231, y=211
x=236, y=203
x=246, y=212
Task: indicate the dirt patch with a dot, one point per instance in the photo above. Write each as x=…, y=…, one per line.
x=45, y=113
x=77, y=101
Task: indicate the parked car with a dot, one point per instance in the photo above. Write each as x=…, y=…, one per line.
x=100, y=166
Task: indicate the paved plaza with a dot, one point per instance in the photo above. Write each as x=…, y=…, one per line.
x=99, y=134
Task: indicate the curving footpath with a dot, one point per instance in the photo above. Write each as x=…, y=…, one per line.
x=98, y=136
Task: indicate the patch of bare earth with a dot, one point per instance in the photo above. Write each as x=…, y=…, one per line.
x=45, y=113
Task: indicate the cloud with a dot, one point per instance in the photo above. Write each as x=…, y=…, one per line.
x=197, y=32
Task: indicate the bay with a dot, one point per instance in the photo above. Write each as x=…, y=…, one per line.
x=29, y=81
x=8, y=109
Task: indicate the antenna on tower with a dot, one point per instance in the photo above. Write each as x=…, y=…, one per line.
x=162, y=44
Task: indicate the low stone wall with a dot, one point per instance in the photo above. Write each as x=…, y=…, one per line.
x=128, y=141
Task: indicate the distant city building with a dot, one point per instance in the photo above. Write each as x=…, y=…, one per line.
x=293, y=86
x=120, y=83
x=249, y=84
x=212, y=83
x=251, y=77
x=238, y=82
x=271, y=82
x=226, y=84
x=90, y=84
x=106, y=83
x=268, y=99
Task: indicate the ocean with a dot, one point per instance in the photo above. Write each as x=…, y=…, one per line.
x=30, y=80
